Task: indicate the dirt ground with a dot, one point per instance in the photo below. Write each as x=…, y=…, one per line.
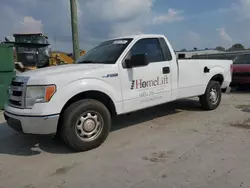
x=172, y=146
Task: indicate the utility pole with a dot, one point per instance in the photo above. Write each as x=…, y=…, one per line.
x=74, y=26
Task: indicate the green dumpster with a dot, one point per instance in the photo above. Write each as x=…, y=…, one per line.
x=7, y=71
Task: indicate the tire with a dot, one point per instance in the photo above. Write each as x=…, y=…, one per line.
x=79, y=122
x=206, y=102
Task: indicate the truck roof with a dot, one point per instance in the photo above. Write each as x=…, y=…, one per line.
x=140, y=36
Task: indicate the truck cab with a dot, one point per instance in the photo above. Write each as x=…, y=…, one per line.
x=118, y=76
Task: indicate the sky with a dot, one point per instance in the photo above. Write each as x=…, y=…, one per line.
x=186, y=23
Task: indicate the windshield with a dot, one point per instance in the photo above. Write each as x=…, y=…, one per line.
x=242, y=59
x=106, y=53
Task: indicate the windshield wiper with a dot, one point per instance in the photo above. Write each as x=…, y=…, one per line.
x=89, y=62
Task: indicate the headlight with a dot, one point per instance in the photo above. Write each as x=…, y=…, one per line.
x=38, y=94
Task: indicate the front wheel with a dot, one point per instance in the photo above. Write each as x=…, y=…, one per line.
x=85, y=124
x=212, y=97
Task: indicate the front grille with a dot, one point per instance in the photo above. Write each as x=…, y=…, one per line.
x=17, y=92
x=242, y=74
x=13, y=83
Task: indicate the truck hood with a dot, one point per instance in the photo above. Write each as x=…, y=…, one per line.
x=64, y=74
x=63, y=69
x=241, y=68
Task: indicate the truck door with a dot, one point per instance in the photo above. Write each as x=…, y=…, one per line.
x=150, y=85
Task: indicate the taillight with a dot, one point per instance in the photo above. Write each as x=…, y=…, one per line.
x=231, y=68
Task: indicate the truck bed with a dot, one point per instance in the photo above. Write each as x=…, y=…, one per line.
x=193, y=79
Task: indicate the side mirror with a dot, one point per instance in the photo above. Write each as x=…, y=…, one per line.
x=138, y=60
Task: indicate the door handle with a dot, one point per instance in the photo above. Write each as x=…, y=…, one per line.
x=165, y=70
x=206, y=70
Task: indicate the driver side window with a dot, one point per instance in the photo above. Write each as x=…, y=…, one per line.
x=150, y=47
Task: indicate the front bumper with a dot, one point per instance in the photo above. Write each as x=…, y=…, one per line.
x=43, y=125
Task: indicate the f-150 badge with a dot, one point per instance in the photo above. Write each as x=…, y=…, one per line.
x=110, y=75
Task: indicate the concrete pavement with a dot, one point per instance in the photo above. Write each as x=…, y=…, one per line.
x=173, y=145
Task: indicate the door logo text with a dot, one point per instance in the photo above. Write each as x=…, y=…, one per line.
x=143, y=84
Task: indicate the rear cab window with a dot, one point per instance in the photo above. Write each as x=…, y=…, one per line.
x=165, y=49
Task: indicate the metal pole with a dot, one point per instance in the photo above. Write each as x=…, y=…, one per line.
x=74, y=26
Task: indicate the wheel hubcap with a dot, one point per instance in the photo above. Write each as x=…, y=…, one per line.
x=213, y=96
x=89, y=126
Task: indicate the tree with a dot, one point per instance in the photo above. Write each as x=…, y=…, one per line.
x=236, y=47
x=220, y=48
x=183, y=50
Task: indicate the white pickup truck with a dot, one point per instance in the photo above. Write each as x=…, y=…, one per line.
x=118, y=76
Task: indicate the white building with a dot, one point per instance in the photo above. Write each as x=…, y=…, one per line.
x=190, y=53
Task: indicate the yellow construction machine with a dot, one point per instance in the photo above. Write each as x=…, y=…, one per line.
x=58, y=57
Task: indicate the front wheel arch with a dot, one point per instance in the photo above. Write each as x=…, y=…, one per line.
x=93, y=94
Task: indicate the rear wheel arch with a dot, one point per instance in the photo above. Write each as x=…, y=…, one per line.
x=218, y=77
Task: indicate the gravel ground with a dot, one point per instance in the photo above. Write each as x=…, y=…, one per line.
x=173, y=145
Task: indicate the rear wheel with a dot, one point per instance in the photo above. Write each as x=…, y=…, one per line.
x=85, y=124
x=212, y=97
